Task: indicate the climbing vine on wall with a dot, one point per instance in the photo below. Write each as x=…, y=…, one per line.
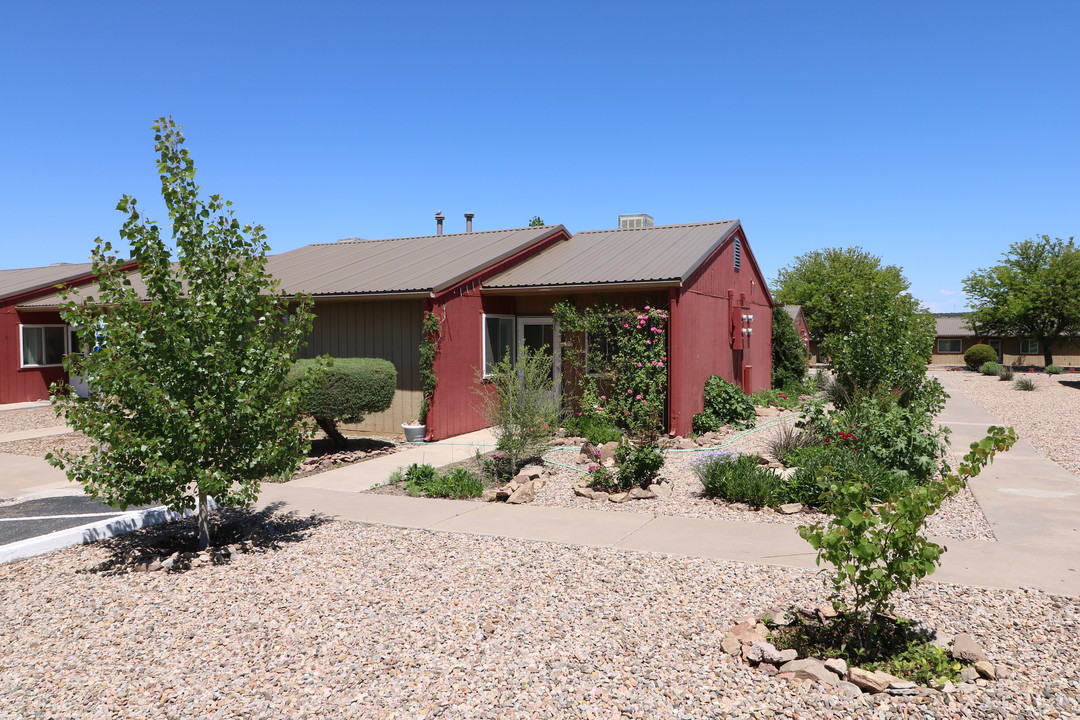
x=620, y=358
x=429, y=348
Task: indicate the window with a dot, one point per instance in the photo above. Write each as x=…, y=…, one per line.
x=43, y=345
x=948, y=345
x=498, y=340
x=1029, y=346
x=599, y=350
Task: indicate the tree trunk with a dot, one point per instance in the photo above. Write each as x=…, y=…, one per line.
x=330, y=428
x=204, y=522
x=1048, y=353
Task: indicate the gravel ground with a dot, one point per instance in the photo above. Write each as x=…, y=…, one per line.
x=1039, y=416
x=358, y=621
x=31, y=419
x=38, y=447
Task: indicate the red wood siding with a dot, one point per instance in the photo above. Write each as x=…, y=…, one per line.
x=23, y=384
x=700, y=339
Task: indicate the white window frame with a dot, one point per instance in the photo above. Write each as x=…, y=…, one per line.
x=484, y=337
x=1026, y=345
x=42, y=326
x=959, y=346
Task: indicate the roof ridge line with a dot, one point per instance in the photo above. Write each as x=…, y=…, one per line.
x=661, y=227
x=425, y=237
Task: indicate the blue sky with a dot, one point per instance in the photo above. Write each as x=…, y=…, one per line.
x=932, y=134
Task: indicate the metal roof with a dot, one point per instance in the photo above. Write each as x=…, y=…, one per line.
x=17, y=282
x=793, y=311
x=665, y=253
x=953, y=325
x=372, y=267
x=428, y=264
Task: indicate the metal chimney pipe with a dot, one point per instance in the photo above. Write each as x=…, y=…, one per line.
x=438, y=222
x=468, y=221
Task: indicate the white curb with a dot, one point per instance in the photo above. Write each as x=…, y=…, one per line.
x=91, y=532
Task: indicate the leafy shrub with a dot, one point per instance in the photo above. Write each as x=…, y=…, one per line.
x=1026, y=384
x=518, y=400
x=820, y=464
x=638, y=464
x=788, y=352
x=725, y=404
x=1005, y=373
x=990, y=368
x=876, y=549
x=1053, y=369
x=976, y=355
x=337, y=390
x=593, y=428
x=459, y=483
x=772, y=397
x=738, y=478
x=602, y=478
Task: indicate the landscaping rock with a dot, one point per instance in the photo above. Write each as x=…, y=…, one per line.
x=490, y=495
x=521, y=479
x=868, y=680
x=525, y=493
x=838, y=666
x=965, y=648
x=731, y=645
x=810, y=669
x=788, y=655
x=588, y=453
x=764, y=652
x=662, y=489
x=968, y=674
x=607, y=453
x=768, y=668
x=686, y=444
x=849, y=688
x=790, y=508
x=640, y=494
x=584, y=492
x=986, y=670
x=532, y=471
x=619, y=497
x=902, y=688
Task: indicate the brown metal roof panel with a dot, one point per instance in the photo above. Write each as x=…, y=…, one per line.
x=398, y=265
x=18, y=281
x=666, y=252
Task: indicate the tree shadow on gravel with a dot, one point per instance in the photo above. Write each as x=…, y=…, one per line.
x=1074, y=384
x=174, y=546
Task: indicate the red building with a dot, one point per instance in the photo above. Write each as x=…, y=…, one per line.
x=34, y=340
x=494, y=289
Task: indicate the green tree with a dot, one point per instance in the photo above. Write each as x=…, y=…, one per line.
x=536, y=221
x=829, y=283
x=788, y=351
x=1033, y=293
x=188, y=377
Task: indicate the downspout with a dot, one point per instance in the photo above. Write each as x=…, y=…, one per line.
x=673, y=380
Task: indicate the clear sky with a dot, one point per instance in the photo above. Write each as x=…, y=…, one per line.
x=933, y=134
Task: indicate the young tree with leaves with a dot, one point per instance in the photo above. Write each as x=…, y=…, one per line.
x=188, y=376
x=830, y=283
x=1033, y=293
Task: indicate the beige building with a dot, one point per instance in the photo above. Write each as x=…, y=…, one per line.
x=954, y=337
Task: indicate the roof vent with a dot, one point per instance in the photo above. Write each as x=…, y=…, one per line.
x=737, y=252
x=635, y=222
x=468, y=221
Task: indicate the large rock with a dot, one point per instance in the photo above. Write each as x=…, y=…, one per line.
x=662, y=489
x=619, y=497
x=810, y=669
x=588, y=453
x=640, y=494
x=790, y=508
x=868, y=680
x=731, y=645
x=490, y=495
x=525, y=493
x=686, y=444
x=965, y=648
x=607, y=453
x=531, y=471
x=838, y=666
x=584, y=492
x=764, y=652
x=986, y=669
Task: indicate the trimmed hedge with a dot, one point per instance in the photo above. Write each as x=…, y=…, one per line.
x=977, y=355
x=344, y=390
